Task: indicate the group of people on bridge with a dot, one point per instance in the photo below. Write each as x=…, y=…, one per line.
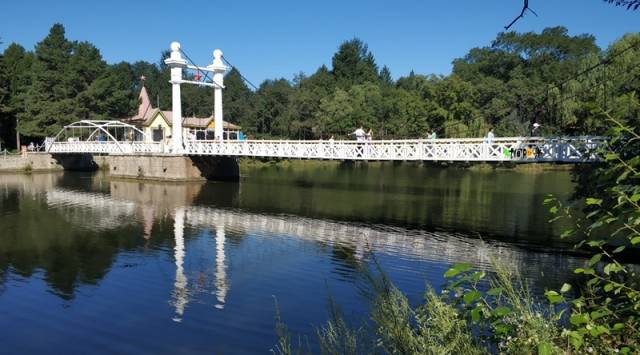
x=361, y=135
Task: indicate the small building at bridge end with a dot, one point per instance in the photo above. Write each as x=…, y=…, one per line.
x=157, y=124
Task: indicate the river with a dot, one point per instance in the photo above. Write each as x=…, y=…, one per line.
x=90, y=264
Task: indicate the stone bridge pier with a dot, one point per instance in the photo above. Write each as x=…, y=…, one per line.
x=159, y=167
x=172, y=167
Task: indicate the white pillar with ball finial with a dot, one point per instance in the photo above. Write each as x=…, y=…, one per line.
x=218, y=69
x=176, y=63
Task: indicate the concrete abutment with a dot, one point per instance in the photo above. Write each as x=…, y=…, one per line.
x=173, y=167
x=143, y=167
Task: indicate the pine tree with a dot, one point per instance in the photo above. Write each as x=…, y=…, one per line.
x=111, y=96
x=236, y=98
x=385, y=76
x=16, y=65
x=354, y=64
x=5, y=126
x=48, y=104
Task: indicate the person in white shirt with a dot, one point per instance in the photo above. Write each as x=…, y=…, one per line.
x=535, y=128
x=360, y=134
x=490, y=136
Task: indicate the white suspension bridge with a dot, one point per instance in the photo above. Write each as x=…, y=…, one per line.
x=115, y=137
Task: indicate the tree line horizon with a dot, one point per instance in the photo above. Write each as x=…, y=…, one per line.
x=550, y=78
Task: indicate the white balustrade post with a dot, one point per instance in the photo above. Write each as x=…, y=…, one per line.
x=218, y=69
x=176, y=63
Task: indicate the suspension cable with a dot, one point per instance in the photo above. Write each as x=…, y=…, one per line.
x=602, y=62
x=241, y=76
x=206, y=73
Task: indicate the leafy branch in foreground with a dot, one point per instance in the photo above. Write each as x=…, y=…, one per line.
x=629, y=4
x=607, y=223
x=506, y=313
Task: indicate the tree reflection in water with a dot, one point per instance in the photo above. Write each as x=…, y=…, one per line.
x=75, y=232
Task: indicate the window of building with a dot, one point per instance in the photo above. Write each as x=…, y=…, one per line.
x=158, y=134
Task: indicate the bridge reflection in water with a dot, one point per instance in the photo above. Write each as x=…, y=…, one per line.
x=114, y=205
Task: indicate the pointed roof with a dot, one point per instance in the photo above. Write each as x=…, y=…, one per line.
x=145, y=103
x=144, y=108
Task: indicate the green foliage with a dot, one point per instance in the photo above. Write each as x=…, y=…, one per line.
x=237, y=98
x=519, y=79
x=506, y=311
x=354, y=64
x=500, y=85
x=49, y=101
x=433, y=327
x=285, y=345
x=4, y=101
x=606, y=314
x=597, y=314
x=478, y=311
x=337, y=337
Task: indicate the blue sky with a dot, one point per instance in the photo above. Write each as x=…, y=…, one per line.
x=273, y=39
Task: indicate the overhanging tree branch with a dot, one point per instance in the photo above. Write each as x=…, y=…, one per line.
x=629, y=4
x=525, y=7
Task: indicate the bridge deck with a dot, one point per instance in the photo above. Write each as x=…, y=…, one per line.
x=568, y=149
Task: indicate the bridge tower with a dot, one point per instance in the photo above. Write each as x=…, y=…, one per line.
x=218, y=68
x=176, y=63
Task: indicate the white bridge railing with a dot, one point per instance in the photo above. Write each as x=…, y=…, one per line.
x=107, y=147
x=567, y=149
x=572, y=149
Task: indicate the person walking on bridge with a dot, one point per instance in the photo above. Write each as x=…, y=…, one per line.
x=360, y=134
x=490, y=136
x=487, y=147
x=534, y=129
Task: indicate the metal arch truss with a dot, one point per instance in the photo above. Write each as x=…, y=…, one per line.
x=91, y=145
x=517, y=149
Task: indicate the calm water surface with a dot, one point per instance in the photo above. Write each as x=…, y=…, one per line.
x=94, y=265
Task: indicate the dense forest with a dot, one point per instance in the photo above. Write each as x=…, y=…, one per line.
x=551, y=78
